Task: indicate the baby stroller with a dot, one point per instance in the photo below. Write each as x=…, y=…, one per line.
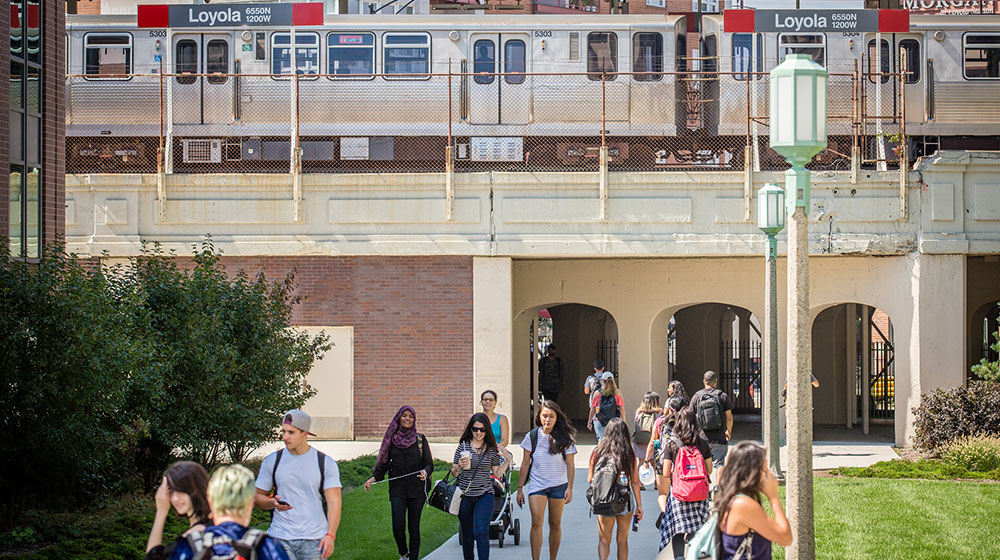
x=503, y=511
x=503, y=521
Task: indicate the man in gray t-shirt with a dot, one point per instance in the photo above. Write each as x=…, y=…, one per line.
x=299, y=523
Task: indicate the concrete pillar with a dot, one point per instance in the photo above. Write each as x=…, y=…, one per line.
x=937, y=341
x=493, y=325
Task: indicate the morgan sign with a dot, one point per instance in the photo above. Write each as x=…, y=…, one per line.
x=230, y=15
x=816, y=21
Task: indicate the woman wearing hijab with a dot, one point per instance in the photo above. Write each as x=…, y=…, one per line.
x=405, y=454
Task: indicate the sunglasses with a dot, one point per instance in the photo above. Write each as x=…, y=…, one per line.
x=481, y=430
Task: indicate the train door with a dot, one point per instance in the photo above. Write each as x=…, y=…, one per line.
x=202, y=99
x=911, y=44
x=495, y=99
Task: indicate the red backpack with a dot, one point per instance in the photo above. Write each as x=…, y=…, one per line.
x=689, y=482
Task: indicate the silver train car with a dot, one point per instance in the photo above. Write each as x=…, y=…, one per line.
x=952, y=86
x=372, y=88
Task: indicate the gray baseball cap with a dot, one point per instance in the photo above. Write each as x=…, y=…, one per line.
x=607, y=375
x=298, y=419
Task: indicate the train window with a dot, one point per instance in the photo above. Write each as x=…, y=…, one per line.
x=484, y=61
x=107, y=56
x=306, y=53
x=812, y=44
x=350, y=54
x=912, y=50
x=878, y=62
x=647, y=56
x=186, y=60
x=743, y=53
x=602, y=55
x=260, y=46
x=574, y=45
x=406, y=53
x=217, y=61
x=681, y=50
x=709, y=54
x=982, y=56
x=514, y=61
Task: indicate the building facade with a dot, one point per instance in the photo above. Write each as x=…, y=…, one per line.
x=32, y=111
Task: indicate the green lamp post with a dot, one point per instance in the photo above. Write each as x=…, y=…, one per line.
x=771, y=220
x=798, y=132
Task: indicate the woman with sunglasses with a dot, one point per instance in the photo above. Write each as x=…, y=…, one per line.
x=498, y=423
x=476, y=458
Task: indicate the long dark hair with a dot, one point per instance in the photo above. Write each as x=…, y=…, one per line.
x=686, y=428
x=679, y=391
x=742, y=475
x=563, y=433
x=190, y=477
x=617, y=445
x=489, y=441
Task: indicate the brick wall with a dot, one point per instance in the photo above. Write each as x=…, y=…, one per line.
x=412, y=319
x=881, y=320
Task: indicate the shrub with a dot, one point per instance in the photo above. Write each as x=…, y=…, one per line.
x=974, y=453
x=989, y=371
x=945, y=415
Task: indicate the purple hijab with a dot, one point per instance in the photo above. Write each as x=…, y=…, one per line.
x=397, y=436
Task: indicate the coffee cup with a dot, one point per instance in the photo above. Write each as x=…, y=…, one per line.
x=467, y=455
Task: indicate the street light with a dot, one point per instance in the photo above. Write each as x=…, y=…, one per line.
x=771, y=220
x=798, y=132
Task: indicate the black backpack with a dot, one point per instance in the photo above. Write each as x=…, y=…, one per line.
x=709, y=410
x=606, y=495
x=607, y=409
x=245, y=548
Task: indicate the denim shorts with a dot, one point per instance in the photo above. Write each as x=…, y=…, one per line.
x=553, y=493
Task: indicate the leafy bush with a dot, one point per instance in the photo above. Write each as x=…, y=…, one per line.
x=974, y=453
x=989, y=371
x=945, y=415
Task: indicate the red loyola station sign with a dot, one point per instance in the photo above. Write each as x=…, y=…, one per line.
x=229, y=15
x=816, y=21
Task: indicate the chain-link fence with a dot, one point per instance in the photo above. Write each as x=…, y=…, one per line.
x=461, y=121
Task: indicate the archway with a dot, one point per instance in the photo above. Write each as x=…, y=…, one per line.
x=581, y=333
x=854, y=361
x=722, y=338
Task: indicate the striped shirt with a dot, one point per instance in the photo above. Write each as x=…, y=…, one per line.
x=547, y=470
x=479, y=476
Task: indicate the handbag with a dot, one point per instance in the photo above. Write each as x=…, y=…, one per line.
x=447, y=496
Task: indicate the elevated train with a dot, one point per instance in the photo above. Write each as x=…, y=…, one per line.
x=376, y=89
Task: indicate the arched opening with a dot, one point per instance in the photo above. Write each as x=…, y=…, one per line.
x=854, y=362
x=722, y=338
x=984, y=324
x=581, y=333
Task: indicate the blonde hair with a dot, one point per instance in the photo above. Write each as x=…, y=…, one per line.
x=231, y=490
x=609, y=387
x=650, y=403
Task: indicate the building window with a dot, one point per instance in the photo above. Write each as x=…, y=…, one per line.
x=743, y=54
x=107, y=56
x=407, y=53
x=484, y=61
x=647, y=56
x=982, y=56
x=306, y=54
x=812, y=44
x=657, y=3
x=602, y=55
x=350, y=54
x=25, y=101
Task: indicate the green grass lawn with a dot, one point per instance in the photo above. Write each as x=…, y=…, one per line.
x=905, y=519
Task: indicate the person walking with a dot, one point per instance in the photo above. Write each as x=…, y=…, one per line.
x=647, y=416
x=547, y=470
x=614, y=454
x=231, y=495
x=406, y=457
x=714, y=411
x=683, y=487
x=499, y=424
x=744, y=524
x=551, y=374
x=676, y=389
x=185, y=487
x=593, y=382
x=606, y=404
x=662, y=430
x=293, y=481
x=476, y=458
